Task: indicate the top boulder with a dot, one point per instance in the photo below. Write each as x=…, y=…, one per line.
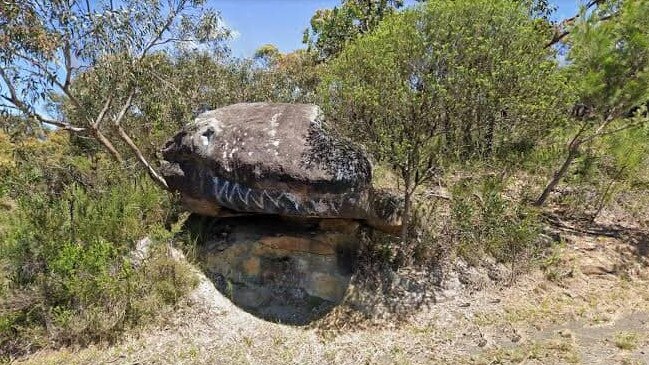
x=268, y=158
x=265, y=145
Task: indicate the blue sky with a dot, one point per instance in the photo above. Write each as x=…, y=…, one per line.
x=282, y=22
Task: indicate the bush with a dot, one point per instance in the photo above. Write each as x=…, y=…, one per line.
x=67, y=273
x=484, y=222
x=70, y=278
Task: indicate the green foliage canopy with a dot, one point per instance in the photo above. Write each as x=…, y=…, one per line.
x=331, y=29
x=609, y=59
x=45, y=45
x=608, y=65
x=457, y=79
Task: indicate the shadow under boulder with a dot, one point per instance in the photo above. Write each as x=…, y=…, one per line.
x=287, y=270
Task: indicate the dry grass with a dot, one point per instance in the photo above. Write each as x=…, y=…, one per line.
x=626, y=340
x=556, y=351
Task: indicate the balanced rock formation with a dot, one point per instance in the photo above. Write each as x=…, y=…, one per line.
x=273, y=159
x=279, y=201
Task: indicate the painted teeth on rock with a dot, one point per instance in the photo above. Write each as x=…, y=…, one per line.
x=245, y=197
x=224, y=188
x=291, y=201
x=270, y=198
x=259, y=203
x=310, y=207
x=229, y=194
x=217, y=189
x=333, y=207
x=236, y=196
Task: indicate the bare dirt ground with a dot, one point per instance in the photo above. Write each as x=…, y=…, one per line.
x=588, y=303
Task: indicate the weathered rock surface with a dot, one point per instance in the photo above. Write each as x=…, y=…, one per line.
x=291, y=271
x=273, y=159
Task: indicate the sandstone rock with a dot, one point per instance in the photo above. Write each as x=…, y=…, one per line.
x=334, y=239
x=596, y=266
x=279, y=271
x=298, y=244
x=290, y=198
x=252, y=297
x=339, y=225
x=274, y=159
x=325, y=286
x=252, y=266
x=141, y=252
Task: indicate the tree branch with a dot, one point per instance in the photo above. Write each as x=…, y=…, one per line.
x=157, y=178
x=107, y=144
x=94, y=125
x=56, y=123
x=561, y=32
x=64, y=88
x=164, y=81
x=620, y=129
x=68, y=64
x=122, y=112
x=102, y=113
x=170, y=19
x=22, y=106
x=8, y=106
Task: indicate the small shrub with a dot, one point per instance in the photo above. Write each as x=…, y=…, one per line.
x=552, y=263
x=626, y=340
x=484, y=222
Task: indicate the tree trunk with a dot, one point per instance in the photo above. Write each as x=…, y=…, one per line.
x=573, y=150
x=155, y=176
x=403, y=251
x=448, y=133
x=467, y=141
x=491, y=126
x=107, y=144
x=405, y=217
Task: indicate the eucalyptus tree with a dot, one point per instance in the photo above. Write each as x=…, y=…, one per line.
x=291, y=77
x=608, y=65
x=46, y=45
x=177, y=87
x=331, y=29
x=445, y=80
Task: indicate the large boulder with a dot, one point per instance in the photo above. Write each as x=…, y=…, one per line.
x=274, y=159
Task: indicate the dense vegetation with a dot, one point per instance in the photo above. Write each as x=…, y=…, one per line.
x=69, y=226
x=485, y=115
